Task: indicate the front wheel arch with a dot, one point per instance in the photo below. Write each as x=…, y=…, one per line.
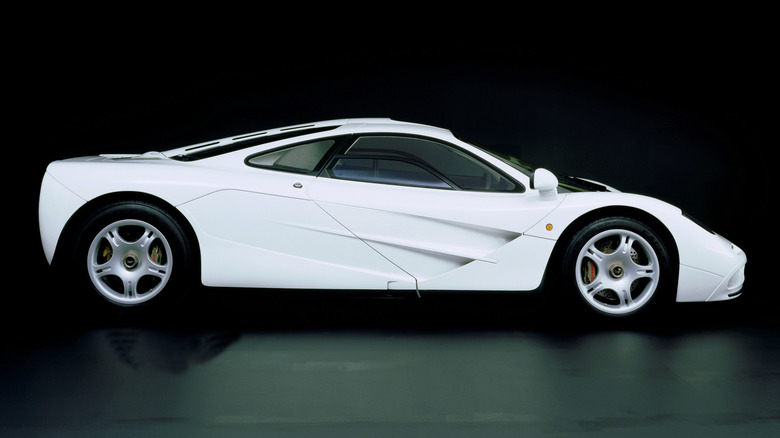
x=555, y=276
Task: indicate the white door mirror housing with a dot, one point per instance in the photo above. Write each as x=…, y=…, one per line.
x=545, y=182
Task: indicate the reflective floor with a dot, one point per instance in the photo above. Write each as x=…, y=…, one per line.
x=257, y=367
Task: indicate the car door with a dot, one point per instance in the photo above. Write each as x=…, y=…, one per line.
x=447, y=218
x=262, y=230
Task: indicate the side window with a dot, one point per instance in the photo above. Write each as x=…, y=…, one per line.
x=387, y=171
x=301, y=158
x=417, y=162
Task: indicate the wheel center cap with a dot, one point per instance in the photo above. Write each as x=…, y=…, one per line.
x=130, y=261
x=616, y=271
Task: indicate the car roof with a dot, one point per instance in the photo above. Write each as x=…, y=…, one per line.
x=337, y=126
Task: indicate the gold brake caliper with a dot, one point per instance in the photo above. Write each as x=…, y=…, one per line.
x=107, y=252
x=157, y=255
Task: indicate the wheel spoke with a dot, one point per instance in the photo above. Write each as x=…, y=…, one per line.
x=596, y=254
x=157, y=271
x=129, y=290
x=101, y=270
x=626, y=242
x=594, y=288
x=129, y=261
x=626, y=271
x=147, y=237
x=112, y=237
x=626, y=300
x=644, y=272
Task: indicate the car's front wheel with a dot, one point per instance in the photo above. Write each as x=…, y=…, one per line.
x=134, y=253
x=618, y=266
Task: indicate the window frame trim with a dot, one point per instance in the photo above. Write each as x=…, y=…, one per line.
x=350, y=139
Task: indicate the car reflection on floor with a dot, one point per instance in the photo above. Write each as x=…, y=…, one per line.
x=355, y=377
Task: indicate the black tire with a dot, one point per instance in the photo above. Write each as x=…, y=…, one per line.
x=134, y=254
x=618, y=267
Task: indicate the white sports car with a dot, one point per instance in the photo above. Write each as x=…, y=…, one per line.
x=369, y=204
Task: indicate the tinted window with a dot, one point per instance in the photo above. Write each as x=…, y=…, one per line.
x=420, y=162
x=387, y=171
x=301, y=158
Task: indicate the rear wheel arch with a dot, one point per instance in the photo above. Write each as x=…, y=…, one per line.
x=67, y=257
x=70, y=231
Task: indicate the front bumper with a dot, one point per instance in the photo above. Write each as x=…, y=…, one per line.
x=700, y=285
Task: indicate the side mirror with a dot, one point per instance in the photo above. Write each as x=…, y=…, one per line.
x=545, y=182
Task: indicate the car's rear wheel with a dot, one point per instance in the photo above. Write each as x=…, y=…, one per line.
x=618, y=266
x=134, y=253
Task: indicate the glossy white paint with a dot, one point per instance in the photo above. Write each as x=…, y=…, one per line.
x=251, y=239
x=57, y=205
x=264, y=228
x=706, y=260
x=431, y=233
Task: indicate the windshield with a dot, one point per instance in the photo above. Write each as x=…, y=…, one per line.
x=515, y=162
x=565, y=183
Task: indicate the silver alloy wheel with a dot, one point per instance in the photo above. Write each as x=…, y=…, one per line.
x=129, y=262
x=617, y=271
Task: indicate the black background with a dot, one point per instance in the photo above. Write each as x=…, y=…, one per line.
x=679, y=105
x=670, y=105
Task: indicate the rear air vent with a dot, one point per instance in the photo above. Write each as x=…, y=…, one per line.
x=293, y=128
x=201, y=146
x=249, y=140
x=244, y=137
